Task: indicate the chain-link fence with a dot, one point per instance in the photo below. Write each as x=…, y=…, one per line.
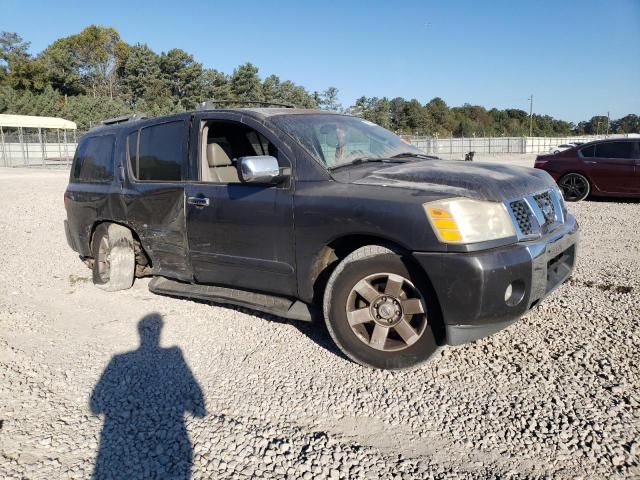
x=24, y=147
x=440, y=146
x=56, y=147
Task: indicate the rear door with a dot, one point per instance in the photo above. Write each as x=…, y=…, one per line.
x=90, y=185
x=240, y=235
x=612, y=167
x=152, y=200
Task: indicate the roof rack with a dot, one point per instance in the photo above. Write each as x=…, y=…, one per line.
x=213, y=104
x=124, y=118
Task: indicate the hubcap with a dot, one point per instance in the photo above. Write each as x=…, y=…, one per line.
x=386, y=312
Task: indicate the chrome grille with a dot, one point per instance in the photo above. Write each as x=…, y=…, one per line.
x=546, y=206
x=536, y=215
x=521, y=213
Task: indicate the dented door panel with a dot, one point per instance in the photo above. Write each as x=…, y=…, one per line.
x=155, y=211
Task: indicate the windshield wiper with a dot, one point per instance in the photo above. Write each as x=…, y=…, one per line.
x=358, y=161
x=394, y=159
x=411, y=154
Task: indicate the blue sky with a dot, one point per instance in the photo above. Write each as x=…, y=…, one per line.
x=578, y=58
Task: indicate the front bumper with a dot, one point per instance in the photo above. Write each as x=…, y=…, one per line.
x=471, y=286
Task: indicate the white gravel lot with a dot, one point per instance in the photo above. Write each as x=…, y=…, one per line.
x=231, y=393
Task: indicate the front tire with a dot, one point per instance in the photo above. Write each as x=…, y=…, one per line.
x=379, y=311
x=114, y=257
x=575, y=187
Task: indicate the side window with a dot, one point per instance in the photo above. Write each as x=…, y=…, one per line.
x=132, y=149
x=614, y=150
x=159, y=155
x=588, y=152
x=94, y=160
x=223, y=143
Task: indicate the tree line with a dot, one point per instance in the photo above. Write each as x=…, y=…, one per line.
x=95, y=75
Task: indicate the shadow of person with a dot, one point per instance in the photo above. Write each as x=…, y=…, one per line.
x=143, y=395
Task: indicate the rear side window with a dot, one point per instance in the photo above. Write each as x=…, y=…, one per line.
x=614, y=150
x=588, y=152
x=157, y=153
x=94, y=160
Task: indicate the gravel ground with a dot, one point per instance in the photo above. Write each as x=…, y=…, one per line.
x=130, y=384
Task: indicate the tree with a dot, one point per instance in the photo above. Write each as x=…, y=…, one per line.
x=62, y=67
x=184, y=76
x=142, y=75
x=26, y=73
x=439, y=116
x=627, y=124
x=100, y=53
x=329, y=100
x=16, y=67
x=597, y=125
x=88, y=62
x=245, y=84
x=215, y=85
x=417, y=121
x=397, y=115
x=94, y=74
x=12, y=45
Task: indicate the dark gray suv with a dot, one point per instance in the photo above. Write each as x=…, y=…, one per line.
x=304, y=213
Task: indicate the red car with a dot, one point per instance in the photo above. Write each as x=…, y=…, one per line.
x=604, y=167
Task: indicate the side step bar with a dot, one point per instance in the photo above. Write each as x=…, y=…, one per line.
x=280, y=306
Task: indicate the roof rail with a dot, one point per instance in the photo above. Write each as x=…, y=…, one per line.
x=213, y=104
x=124, y=118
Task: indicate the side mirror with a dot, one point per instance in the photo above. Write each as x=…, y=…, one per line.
x=259, y=169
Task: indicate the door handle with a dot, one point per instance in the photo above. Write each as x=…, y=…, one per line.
x=589, y=161
x=198, y=201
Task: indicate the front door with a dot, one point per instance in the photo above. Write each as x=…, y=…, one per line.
x=240, y=235
x=613, y=167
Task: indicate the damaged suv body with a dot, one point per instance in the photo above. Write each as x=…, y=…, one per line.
x=303, y=212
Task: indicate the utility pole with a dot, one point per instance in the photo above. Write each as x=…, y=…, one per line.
x=607, y=124
x=530, y=114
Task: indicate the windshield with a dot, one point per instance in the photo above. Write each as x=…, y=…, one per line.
x=339, y=139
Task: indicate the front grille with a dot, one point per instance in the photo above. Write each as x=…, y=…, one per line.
x=520, y=211
x=536, y=215
x=546, y=206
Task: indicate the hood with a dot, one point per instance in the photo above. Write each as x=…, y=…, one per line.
x=481, y=181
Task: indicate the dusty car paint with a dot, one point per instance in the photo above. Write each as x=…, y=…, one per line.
x=281, y=239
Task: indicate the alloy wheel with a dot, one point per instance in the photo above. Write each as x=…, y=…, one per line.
x=386, y=312
x=574, y=187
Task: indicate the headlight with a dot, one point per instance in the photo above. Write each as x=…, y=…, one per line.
x=462, y=220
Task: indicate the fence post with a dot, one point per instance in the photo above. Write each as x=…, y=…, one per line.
x=21, y=140
x=41, y=144
x=66, y=145
x=4, y=152
x=59, y=144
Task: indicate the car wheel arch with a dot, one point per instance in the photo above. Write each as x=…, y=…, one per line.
x=142, y=257
x=331, y=254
